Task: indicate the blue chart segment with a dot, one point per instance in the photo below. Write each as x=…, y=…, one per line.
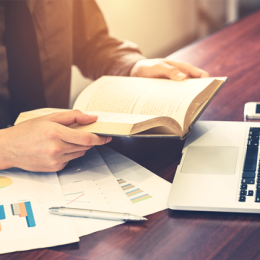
x=24, y=209
x=30, y=217
x=2, y=214
x=131, y=191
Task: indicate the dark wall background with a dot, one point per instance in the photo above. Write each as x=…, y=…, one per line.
x=248, y=6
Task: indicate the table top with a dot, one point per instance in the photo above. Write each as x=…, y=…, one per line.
x=234, y=52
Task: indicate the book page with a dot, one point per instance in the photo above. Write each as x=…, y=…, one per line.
x=102, y=116
x=119, y=117
x=158, y=97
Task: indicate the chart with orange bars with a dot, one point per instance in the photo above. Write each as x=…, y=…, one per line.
x=146, y=192
x=25, y=222
x=22, y=209
x=134, y=193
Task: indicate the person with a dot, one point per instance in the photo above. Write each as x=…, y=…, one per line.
x=52, y=36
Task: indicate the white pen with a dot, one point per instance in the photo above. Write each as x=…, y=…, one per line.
x=89, y=213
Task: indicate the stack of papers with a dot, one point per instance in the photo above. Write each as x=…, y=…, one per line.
x=102, y=179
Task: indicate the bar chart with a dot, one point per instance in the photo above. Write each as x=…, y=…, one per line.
x=131, y=191
x=25, y=222
x=22, y=209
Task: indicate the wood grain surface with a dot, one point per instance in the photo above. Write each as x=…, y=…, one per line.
x=233, y=52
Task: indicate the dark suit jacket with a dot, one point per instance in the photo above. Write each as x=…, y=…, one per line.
x=68, y=33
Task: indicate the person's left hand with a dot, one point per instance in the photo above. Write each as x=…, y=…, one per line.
x=165, y=68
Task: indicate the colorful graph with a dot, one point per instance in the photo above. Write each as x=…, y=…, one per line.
x=74, y=199
x=131, y=191
x=24, y=209
x=5, y=182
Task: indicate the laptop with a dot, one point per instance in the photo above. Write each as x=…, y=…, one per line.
x=219, y=169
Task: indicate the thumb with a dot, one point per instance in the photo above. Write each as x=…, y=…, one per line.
x=72, y=117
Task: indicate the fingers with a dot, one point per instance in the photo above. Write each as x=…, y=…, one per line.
x=59, y=148
x=71, y=156
x=165, y=68
x=74, y=136
x=72, y=117
x=44, y=144
x=188, y=69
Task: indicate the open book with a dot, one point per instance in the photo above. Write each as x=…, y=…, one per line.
x=141, y=106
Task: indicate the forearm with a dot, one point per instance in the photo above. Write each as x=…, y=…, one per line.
x=112, y=58
x=5, y=152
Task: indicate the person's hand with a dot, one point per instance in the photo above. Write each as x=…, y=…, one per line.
x=46, y=144
x=165, y=68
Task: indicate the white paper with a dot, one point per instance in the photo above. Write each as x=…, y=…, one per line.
x=40, y=191
x=88, y=183
x=147, y=192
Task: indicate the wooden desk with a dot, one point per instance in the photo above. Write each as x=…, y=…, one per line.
x=232, y=52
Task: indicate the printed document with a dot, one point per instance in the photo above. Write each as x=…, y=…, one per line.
x=25, y=222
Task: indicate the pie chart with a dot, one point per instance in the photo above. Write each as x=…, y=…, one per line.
x=5, y=182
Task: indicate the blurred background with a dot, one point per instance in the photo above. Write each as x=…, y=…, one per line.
x=161, y=27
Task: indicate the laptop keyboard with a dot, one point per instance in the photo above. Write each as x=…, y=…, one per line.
x=250, y=183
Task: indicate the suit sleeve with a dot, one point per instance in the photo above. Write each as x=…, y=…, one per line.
x=94, y=51
x=5, y=114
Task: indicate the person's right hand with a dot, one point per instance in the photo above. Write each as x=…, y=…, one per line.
x=46, y=144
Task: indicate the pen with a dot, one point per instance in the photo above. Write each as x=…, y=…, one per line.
x=89, y=213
